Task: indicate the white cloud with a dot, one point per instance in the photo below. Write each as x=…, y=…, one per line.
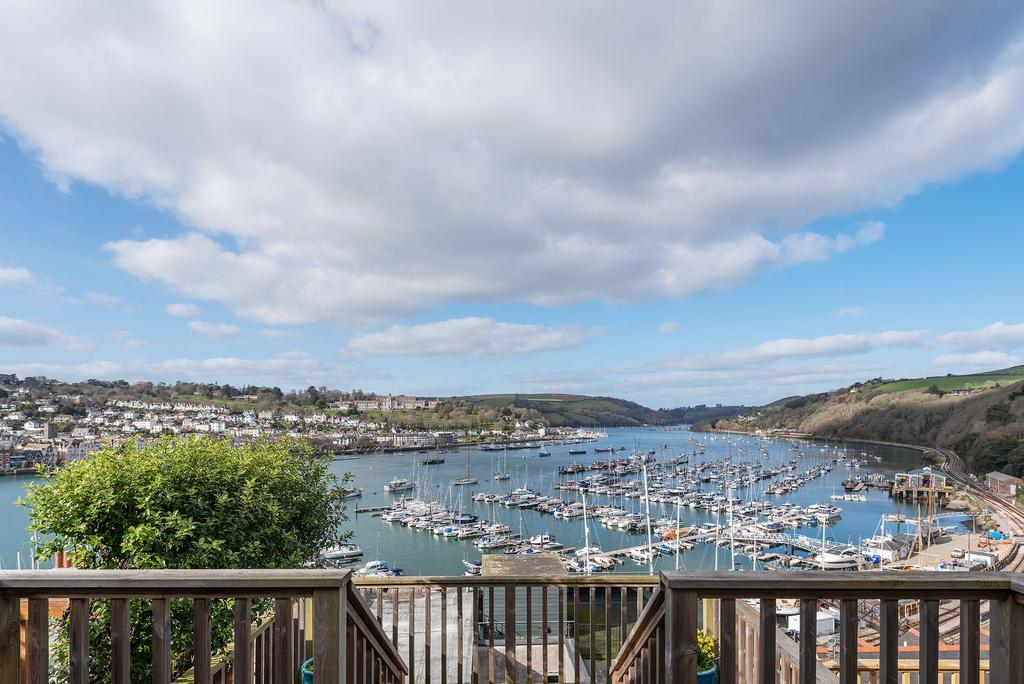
x=183, y=310
x=15, y=332
x=528, y=152
x=126, y=339
x=469, y=336
x=668, y=327
x=278, y=334
x=215, y=331
x=293, y=369
x=102, y=299
x=16, y=276
x=999, y=335
x=992, y=360
x=851, y=311
x=825, y=346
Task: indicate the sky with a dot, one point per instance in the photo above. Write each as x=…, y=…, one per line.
x=677, y=203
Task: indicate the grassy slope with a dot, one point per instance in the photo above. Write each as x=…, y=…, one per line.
x=911, y=415
x=575, y=410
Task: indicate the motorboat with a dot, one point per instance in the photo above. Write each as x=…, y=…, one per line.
x=342, y=553
x=399, y=484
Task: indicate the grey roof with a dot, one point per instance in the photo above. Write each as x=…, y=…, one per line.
x=1003, y=477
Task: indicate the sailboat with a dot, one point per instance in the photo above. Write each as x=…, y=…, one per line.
x=504, y=474
x=462, y=481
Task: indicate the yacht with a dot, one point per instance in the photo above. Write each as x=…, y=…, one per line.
x=342, y=553
x=399, y=484
x=847, y=558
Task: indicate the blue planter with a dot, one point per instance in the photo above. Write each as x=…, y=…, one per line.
x=708, y=676
x=307, y=672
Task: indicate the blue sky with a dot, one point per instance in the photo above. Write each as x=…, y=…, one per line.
x=391, y=205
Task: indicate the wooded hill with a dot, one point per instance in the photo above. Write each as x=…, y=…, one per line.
x=980, y=416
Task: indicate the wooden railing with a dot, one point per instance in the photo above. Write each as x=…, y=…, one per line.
x=347, y=643
x=508, y=629
x=665, y=639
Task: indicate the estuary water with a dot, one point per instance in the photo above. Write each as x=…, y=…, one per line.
x=419, y=552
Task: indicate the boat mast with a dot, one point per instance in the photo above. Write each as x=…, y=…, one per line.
x=677, y=532
x=647, y=512
x=732, y=532
x=586, y=533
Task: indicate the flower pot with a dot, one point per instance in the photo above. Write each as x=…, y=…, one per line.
x=708, y=676
x=307, y=672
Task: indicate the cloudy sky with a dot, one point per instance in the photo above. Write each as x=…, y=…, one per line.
x=688, y=202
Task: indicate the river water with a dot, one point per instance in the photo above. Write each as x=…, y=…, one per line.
x=420, y=553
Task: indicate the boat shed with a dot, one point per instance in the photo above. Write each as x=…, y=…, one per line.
x=1001, y=483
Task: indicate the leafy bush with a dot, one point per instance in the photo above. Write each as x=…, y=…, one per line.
x=184, y=503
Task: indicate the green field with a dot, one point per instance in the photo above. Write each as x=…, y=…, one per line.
x=952, y=382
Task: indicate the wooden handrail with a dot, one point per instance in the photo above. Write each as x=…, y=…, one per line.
x=342, y=622
x=665, y=637
x=647, y=622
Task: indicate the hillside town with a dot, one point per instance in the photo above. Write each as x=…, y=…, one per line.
x=48, y=431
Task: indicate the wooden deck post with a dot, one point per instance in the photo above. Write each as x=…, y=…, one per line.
x=330, y=610
x=680, y=635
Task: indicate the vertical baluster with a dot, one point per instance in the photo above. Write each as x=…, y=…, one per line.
x=727, y=641
x=680, y=652
x=395, y=592
x=10, y=640
x=268, y=655
x=808, y=640
x=592, y=634
x=544, y=633
x=241, y=672
x=970, y=642
x=201, y=641
x=283, y=656
x=659, y=650
x=298, y=648
x=359, y=655
x=412, y=634
x=350, y=651
x=529, y=634
x=888, y=641
x=510, y=633
x=427, y=636
x=609, y=592
x=161, y=641
x=561, y=633
x=444, y=634
x=459, y=616
x=490, y=636
x=37, y=641
x=258, y=657
x=368, y=662
x=623, y=614
x=120, y=641
x=576, y=634
x=380, y=605
x=639, y=601
x=847, y=641
x=330, y=618
x=928, y=649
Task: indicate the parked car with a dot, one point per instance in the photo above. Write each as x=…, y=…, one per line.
x=957, y=553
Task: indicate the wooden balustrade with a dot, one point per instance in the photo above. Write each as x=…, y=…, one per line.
x=508, y=629
x=346, y=643
x=665, y=637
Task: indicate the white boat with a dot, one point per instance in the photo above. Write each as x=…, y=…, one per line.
x=473, y=568
x=462, y=481
x=342, y=553
x=351, y=493
x=399, y=484
x=377, y=568
x=848, y=558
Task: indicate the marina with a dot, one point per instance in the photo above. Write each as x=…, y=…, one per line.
x=712, y=501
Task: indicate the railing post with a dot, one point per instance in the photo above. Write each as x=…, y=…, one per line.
x=727, y=641
x=330, y=615
x=1007, y=634
x=10, y=640
x=767, y=657
x=680, y=635
x=848, y=623
x=888, y=641
x=161, y=641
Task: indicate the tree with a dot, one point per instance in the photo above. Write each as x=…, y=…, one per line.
x=936, y=390
x=184, y=503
